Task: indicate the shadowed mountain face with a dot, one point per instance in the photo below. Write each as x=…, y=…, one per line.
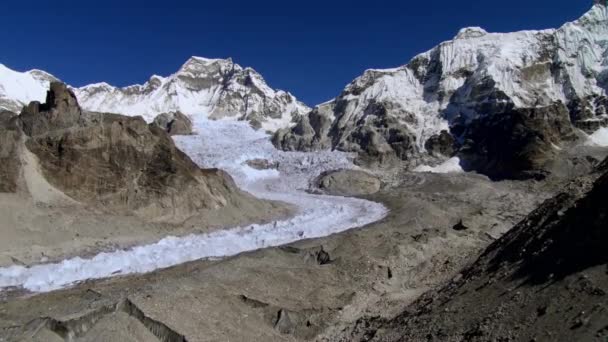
x=546, y=279
x=117, y=162
x=467, y=87
x=518, y=143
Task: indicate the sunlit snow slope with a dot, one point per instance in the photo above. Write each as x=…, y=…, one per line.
x=225, y=144
x=218, y=87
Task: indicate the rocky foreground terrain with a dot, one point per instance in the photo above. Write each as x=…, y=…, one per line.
x=545, y=280
x=297, y=292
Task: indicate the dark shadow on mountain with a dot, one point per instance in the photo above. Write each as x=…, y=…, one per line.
x=564, y=236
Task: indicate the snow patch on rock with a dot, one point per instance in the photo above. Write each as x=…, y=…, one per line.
x=451, y=165
x=599, y=137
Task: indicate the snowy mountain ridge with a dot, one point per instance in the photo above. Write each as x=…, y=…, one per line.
x=477, y=74
x=19, y=88
x=216, y=88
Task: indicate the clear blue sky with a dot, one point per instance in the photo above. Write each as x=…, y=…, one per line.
x=311, y=48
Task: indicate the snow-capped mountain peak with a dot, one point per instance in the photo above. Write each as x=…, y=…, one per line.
x=19, y=88
x=215, y=88
x=471, y=32
x=405, y=111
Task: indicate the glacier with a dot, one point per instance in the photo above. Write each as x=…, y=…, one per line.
x=225, y=144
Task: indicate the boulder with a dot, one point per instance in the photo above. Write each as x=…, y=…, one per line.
x=323, y=257
x=283, y=323
x=348, y=183
x=175, y=123
x=262, y=164
x=441, y=144
x=460, y=226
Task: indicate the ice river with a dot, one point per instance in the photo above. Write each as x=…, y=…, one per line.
x=224, y=144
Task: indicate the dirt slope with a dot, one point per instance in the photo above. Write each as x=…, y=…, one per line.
x=545, y=280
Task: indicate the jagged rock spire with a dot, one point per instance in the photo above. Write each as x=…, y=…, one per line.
x=60, y=111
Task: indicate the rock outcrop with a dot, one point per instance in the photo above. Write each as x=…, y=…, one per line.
x=10, y=136
x=175, y=123
x=60, y=111
x=421, y=112
x=117, y=162
x=262, y=164
x=519, y=143
x=6, y=116
x=348, y=183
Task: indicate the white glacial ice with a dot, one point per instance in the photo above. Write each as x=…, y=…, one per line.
x=451, y=165
x=599, y=137
x=225, y=144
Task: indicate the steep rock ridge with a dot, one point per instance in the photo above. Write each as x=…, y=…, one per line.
x=60, y=111
x=214, y=87
x=545, y=280
x=116, y=162
x=394, y=113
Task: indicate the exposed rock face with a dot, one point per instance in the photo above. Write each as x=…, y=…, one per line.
x=310, y=133
x=283, y=323
x=404, y=113
x=60, y=111
x=6, y=116
x=441, y=144
x=9, y=158
x=518, y=143
x=120, y=163
x=175, y=123
x=348, y=183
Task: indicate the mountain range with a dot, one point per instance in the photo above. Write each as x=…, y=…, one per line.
x=496, y=100
x=505, y=104
x=216, y=88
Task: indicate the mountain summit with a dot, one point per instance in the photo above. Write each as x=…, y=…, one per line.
x=444, y=99
x=215, y=88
